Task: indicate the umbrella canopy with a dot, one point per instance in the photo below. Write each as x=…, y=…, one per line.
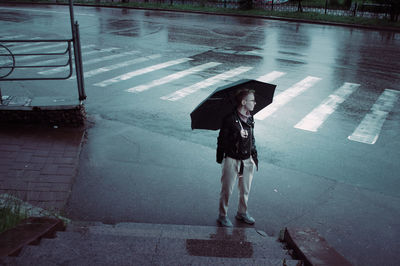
x=209, y=113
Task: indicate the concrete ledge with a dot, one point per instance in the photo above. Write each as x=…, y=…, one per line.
x=312, y=248
x=296, y=20
x=42, y=110
x=28, y=232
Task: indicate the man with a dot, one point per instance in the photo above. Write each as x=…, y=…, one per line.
x=237, y=152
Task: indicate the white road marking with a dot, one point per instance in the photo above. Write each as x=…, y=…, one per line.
x=25, y=51
x=27, y=58
x=50, y=61
x=177, y=95
x=45, y=11
x=13, y=45
x=84, y=54
x=270, y=76
x=11, y=37
x=119, y=65
x=145, y=70
x=88, y=62
x=317, y=116
x=172, y=77
x=370, y=127
x=286, y=96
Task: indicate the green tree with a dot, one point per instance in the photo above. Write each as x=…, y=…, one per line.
x=246, y=4
x=394, y=10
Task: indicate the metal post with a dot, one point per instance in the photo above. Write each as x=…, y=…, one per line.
x=77, y=53
x=326, y=6
x=71, y=14
x=78, y=65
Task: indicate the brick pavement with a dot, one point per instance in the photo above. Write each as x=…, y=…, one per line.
x=38, y=164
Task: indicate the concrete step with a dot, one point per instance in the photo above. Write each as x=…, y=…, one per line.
x=141, y=259
x=173, y=231
x=154, y=244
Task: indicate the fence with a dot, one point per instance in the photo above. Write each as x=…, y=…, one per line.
x=331, y=7
x=10, y=68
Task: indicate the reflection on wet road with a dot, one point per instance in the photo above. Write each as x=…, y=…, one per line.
x=335, y=115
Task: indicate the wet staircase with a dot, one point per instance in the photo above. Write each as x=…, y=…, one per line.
x=154, y=244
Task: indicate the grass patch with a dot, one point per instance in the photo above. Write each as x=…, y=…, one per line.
x=312, y=16
x=11, y=212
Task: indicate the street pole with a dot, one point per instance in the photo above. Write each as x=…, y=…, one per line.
x=326, y=5
x=77, y=53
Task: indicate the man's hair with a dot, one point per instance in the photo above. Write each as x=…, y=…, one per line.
x=241, y=94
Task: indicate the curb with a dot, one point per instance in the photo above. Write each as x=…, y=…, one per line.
x=28, y=232
x=338, y=24
x=312, y=248
x=42, y=110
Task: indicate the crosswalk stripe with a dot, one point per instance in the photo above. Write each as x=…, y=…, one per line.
x=172, y=77
x=19, y=45
x=48, y=11
x=63, y=59
x=7, y=37
x=370, y=127
x=24, y=51
x=317, y=116
x=177, y=95
x=286, y=96
x=271, y=76
x=100, y=70
x=85, y=62
x=36, y=57
x=145, y=70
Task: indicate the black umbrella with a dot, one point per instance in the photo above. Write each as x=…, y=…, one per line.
x=209, y=113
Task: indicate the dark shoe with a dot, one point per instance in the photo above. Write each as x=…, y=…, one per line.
x=245, y=217
x=224, y=221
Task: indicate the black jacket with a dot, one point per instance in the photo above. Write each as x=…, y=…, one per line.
x=231, y=143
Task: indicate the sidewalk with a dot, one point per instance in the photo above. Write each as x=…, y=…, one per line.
x=38, y=164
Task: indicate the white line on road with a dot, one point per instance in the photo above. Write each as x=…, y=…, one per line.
x=11, y=37
x=286, y=96
x=317, y=116
x=177, y=95
x=19, y=45
x=145, y=70
x=172, y=77
x=24, y=51
x=271, y=76
x=27, y=58
x=370, y=127
x=88, y=62
x=119, y=65
x=55, y=60
x=46, y=11
x=84, y=54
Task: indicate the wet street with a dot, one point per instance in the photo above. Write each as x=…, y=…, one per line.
x=332, y=128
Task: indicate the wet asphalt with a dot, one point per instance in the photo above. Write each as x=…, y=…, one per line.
x=141, y=162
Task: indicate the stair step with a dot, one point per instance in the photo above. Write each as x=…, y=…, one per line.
x=29, y=231
x=152, y=244
x=142, y=259
x=197, y=247
x=174, y=231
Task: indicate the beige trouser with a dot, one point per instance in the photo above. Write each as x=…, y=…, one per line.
x=230, y=172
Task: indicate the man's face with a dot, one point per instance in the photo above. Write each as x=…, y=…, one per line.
x=250, y=102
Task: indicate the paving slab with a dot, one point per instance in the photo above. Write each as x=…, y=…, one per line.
x=38, y=164
x=79, y=245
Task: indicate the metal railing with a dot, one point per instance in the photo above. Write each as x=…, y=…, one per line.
x=10, y=67
x=9, y=60
x=337, y=8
